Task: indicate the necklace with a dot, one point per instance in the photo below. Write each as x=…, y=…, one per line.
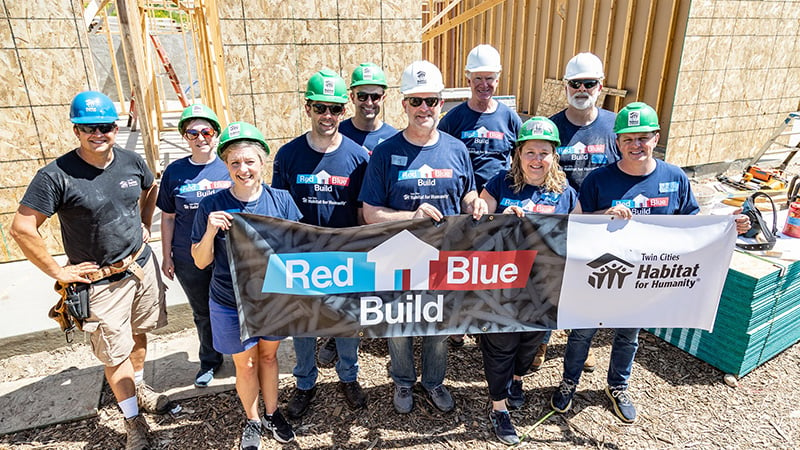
x=251, y=206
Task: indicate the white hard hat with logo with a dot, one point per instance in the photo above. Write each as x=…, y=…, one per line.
x=584, y=66
x=483, y=58
x=421, y=76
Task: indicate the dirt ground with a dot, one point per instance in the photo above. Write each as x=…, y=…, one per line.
x=682, y=403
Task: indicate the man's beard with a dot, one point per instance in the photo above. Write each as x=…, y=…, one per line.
x=583, y=103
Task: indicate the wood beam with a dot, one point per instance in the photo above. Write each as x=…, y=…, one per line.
x=461, y=18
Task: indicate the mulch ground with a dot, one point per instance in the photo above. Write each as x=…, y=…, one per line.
x=682, y=403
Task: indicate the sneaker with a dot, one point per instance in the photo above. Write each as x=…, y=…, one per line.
x=298, y=404
x=621, y=402
x=441, y=398
x=151, y=401
x=503, y=428
x=251, y=436
x=327, y=355
x=561, y=401
x=591, y=362
x=456, y=340
x=138, y=433
x=281, y=429
x=403, y=399
x=204, y=377
x=516, y=398
x=353, y=394
x=539, y=357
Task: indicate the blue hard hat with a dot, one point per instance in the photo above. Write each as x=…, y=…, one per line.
x=92, y=107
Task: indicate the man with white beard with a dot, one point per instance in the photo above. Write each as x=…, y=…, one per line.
x=587, y=132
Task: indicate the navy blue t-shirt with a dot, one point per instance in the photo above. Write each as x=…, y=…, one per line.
x=586, y=148
x=666, y=190
x=367, y=139
x=272, y=202
x=532, y=199
x=183, y=184
x=489, y=137
x=325, y=186
x=402, y=176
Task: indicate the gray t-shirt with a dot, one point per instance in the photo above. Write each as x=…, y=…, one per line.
x=98, y=208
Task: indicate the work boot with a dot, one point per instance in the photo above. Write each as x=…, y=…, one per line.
x=300, y=401
x=591, y=362
x=138, y=433
x=539, y=357
x=353, y=394
x=327, y=355
x=151, y=401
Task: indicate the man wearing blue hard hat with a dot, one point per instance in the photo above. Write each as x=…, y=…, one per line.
x=105, y=197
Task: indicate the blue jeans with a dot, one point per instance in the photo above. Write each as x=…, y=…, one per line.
x=305, y=349
x=434, y=360
x=623, y=350
x=195, y=284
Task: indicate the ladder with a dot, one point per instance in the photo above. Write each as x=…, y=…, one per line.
x=173, y=79
x=788, y=131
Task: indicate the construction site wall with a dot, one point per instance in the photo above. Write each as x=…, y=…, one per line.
x=44, y=61
x=722, y=74
x=273, y=47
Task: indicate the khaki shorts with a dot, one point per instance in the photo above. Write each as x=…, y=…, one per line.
x=122, y=309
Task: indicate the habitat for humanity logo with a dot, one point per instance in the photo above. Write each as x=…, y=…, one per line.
x=662, y=270
x=401, y=263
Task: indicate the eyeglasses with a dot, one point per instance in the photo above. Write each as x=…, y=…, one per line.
x=588, y=84
x=90, y=127
x=191, y=135
x=319, y=108
x=363, y=96
x=430, y=101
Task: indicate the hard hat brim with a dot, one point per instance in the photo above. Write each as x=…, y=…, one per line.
x=326, y=98
x=436, y=89
x=493, y=69
x=585, y=76
x=95, y=119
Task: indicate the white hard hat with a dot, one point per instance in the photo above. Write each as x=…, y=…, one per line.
x=584, y=66
x=483, y=58
x=421, y=76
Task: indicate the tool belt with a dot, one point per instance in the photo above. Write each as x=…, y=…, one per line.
x=72, y=308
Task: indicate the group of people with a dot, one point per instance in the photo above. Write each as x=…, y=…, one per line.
x=582, y=160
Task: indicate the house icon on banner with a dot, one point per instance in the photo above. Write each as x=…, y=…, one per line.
x=402, y=263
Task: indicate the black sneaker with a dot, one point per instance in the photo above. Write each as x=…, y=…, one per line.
x=327, y=355
x=456, y=340
x=621, y=403
x=503, y=428
x=441, y=398
x=281, y=429
x=516, y=398
x=353, y=394
x=561, y=401
x=251, y=436
x=298, y=404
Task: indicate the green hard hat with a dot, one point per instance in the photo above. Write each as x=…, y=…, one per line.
x=326, y=86
x=539, y=128
x=240, y=131
x=637, y=117
x=198, y=111
x=368, y=73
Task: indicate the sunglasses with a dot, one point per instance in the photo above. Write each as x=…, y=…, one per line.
x=363, y=96
x=90, y=127
x=194, y=134
x=417, y=101
x=588, y=84
x=319, y=108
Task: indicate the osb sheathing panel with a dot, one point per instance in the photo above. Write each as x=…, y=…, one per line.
x=42, y=66
x=739, y=71
x=272, y=48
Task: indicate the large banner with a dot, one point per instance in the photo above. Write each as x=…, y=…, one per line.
x=497, y=274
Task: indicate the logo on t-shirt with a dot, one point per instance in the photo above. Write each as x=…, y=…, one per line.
x=425, y=175
x=205, y=186
x=130, y=182
x=641, y=204
x=323, y=181
x=482, y=135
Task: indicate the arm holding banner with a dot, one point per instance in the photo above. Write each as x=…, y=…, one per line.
x=379, y=214
x=474, y=204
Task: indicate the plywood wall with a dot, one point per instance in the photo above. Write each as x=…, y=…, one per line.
x=273, y=47
x=739, y=77
x=44, y=62
x=721, y=74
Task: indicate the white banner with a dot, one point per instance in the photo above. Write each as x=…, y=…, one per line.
x=662, y=271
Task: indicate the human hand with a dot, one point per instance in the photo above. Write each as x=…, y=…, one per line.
x=76, y=273
x=514, y=210
x=620, y=211
x=426, y=209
